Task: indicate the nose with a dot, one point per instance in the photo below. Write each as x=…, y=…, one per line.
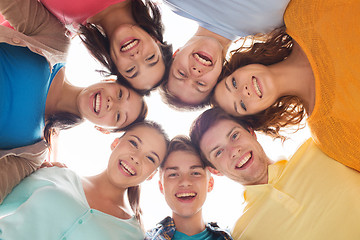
x=185, y=181
x=234, y=152
x=109, y=103
x=134, y=53
x=246, y=91
x=134, y=159
x=196, y=71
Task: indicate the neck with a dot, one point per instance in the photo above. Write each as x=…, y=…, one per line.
x=225, y=43
x=114, y=16
x=294, y=76
x=189, y=225
x=102, y=195
x=62, y=96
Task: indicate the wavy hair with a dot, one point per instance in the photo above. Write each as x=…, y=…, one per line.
x=287, y=110
x=147, y=15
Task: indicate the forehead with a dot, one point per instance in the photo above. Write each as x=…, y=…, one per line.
x=218, y=133
x=182, y=159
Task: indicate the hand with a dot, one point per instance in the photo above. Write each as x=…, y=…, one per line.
x=53, y=164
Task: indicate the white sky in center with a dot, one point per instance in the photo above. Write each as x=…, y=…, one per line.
x=86, y=151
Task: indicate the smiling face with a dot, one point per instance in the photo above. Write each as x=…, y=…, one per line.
x=137, y=56
x=246, y=91
x=195, y=69
x=109, y=104
x=235, y=152
x=185, y=183
x=136, y=156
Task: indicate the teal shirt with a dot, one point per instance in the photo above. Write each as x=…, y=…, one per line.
x=204, y=235
x=51, y=204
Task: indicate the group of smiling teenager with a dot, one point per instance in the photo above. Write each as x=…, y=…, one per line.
x=295, y=72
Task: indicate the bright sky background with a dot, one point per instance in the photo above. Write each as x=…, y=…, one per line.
x=86, y=151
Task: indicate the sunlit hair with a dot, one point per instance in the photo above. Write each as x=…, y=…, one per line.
x=175, y=102
x=287, y=110
x=207, y=120
x=147, y=15
x=134, y=191
x=180, y=143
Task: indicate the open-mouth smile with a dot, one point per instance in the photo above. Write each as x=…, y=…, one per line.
x=203, y=58
x=126, y=168
x=186, y=196
x=128, y=45
x=244, y=161
x=256, y=87
x=97, y=103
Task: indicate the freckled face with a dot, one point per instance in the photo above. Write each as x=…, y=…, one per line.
x=109, y=104
x=235, y=153
x=137, y=56
x=195, y=69
x=137, y=155
x=184, y=183
x=247, y=91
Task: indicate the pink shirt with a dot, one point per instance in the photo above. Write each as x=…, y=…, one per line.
x=75, y=12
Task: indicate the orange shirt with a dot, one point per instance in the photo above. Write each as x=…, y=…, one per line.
x=328, y=32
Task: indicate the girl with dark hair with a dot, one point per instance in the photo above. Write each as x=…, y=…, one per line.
x=311, y=70
x=126, y=36
x=56, y=203
x=35, y=94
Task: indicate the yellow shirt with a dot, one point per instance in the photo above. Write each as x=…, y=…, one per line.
x=310, y=197
x=328, y=32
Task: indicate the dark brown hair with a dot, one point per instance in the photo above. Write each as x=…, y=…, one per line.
x=180, y=143
x=147, y=15
x=287, y=110
x=204, y=122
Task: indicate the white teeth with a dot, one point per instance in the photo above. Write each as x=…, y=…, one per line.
x=245, y=159
x=128, y=45
x=256, y=86
x=127, y=168
x=202, y=61
x=97, y=103
x=180, y=195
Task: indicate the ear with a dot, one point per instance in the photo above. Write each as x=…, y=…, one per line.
x=214, y=171
x=161, y=187
x=152, y=175
x=251, y=131
x=114, y=143
x=211, y=184
x=174, y=54
x=102, y=130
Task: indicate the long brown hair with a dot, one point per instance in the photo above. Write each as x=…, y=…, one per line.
x=147, y=15
x=287, y=110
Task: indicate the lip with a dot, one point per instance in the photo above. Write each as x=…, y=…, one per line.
x=191, y=196
x=126, y=169
x=203, y=58
x=134, y=42
x=255, y=80
x=246, y=164
x=92, y=102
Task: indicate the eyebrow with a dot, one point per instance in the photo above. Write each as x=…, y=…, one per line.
x=142, y=143
x=227, y=135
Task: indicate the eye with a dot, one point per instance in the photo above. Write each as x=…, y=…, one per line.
x=172, y=175
x=218, y=152
x=234, y=136
x=117, y=116
x=201, y=83
x=132, y=142
x=234, y=83
x=196, y=173
x=149, y=58
x=182, y=74
x=130, y=69
x=120, y=94
x=151, y=159
x=243, y=105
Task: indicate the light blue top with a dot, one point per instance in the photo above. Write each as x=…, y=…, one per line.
x=204, y=235
x=51, y=204
x=25, y=79
x=233, y=18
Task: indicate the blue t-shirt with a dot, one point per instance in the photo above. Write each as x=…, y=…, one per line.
x=204, y=235
x=233, y=18
x=51, y=204
x=25, y=79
